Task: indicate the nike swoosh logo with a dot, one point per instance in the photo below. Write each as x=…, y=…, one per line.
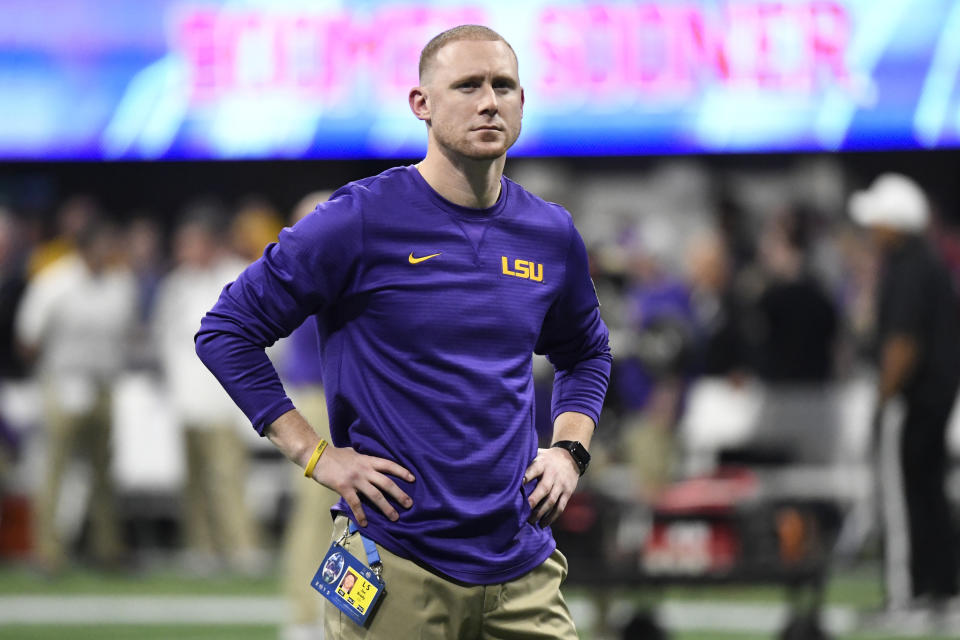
x=414, y=260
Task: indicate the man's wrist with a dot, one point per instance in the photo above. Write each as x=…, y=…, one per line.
x=315, y=457
x=579, y=453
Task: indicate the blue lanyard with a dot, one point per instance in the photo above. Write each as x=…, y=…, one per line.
x=373, y=556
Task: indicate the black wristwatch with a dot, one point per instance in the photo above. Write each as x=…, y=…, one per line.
x=580, y=454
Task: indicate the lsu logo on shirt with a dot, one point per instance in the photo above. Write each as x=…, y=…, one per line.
x=524, y=269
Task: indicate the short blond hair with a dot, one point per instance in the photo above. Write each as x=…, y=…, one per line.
x=463, y=32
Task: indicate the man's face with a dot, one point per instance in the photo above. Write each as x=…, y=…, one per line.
x=474, y=98
x=884, y=237
x=194, y=246
x=101, y=250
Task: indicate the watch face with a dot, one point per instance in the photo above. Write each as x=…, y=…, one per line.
x=579, y=453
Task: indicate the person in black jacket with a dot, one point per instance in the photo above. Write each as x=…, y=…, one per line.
x=794, y=341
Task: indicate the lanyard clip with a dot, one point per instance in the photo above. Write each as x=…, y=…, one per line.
x=373, y=556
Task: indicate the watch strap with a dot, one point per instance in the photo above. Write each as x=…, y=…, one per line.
x=577, y=451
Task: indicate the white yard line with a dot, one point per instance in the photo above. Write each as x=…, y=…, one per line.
x=753, y=618
x=62, y=610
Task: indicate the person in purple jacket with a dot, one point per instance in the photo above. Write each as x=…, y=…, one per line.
x=430, y=287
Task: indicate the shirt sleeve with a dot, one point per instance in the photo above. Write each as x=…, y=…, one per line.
x=576, y=341
x=310, y=266
x=36, y=309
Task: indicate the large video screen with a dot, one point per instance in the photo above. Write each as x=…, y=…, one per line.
x=256, y=79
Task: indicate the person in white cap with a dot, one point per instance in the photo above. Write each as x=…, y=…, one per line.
x=919, y=360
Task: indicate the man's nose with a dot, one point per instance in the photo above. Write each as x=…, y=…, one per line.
x=488, y=100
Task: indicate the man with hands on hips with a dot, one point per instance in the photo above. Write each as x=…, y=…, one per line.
x=430, y=287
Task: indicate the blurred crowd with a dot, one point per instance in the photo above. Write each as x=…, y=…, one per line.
x=742, y=307
x=90, y=300
x=747, y=279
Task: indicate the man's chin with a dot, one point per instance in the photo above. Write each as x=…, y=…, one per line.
x=484, y=151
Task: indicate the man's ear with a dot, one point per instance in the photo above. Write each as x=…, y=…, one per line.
x=418, y=104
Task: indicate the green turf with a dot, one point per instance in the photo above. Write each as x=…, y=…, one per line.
x=705, y=635
x=80, y=581
x=857, y=588
x=137, y=632
x=267, y=632
x=860, y=589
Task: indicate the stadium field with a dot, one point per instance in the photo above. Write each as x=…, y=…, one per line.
x=267, y=632
x=857, y=588
x=164, y=603
x=138, y=632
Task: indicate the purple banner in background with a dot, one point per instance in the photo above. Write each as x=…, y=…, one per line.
x=159, y=79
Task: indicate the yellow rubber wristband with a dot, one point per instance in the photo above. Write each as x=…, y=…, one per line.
x=308, y=472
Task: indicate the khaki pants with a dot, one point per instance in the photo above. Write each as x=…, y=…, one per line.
x=307, y=536
x=420, y=605
x=217, y=518
x=85, y=432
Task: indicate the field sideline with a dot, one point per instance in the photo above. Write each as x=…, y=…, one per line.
x=161, y=603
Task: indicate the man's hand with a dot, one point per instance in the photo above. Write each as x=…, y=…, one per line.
x=351, y=474
x=559, y=474
x=343, y=470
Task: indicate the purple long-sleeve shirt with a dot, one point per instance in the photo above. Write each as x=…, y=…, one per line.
x=427, y=360
x=301, y=366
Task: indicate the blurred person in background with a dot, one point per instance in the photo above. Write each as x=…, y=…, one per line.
x=918, y=341
x=254, y=225
x=718, y=310
x=722, y=383
x=12, y=284
x=654, y=369
x=75, y=322
x=798, y=317
x=310, y=518
x=73, y=217
x=145, y=254
x=857, y=293
x=737, y=228
x=218, y=524
x=432, y=285
x=795, y=342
